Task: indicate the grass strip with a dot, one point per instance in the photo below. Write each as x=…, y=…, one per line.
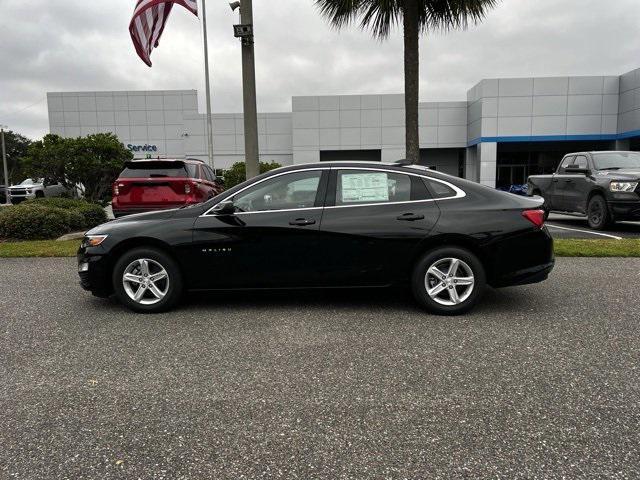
x=40, y=248
x=628, y=247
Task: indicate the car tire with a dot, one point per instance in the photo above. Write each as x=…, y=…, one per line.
x=598, y=215
x=39, y=194
x=159, y=293
x=454, y=297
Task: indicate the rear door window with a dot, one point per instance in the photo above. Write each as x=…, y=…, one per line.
x=356, y=187
x=154, y=170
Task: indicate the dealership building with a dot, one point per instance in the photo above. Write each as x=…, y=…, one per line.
x=505, y=130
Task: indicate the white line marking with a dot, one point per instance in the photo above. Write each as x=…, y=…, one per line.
x=584, y=231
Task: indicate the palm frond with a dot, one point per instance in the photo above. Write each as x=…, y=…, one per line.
x=381, y=16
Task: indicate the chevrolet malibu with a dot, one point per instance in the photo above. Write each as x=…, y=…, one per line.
x=326, y=225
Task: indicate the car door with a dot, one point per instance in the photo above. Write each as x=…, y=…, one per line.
x=559, y=184
x=270, y=240
x=373, y=221
x=576, y=185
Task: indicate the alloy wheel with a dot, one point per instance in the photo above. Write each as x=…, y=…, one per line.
x=145, y=281
x=449, y=281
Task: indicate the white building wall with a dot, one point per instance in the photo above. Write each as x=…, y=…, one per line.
x=543, y=107
x=629, y=105
x=496, y=110
x=371, y=122
x=137, y=118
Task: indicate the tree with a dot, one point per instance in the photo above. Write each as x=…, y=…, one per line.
x=94, y=162
x=237, y=173
x=16, y=146
x=416, y=17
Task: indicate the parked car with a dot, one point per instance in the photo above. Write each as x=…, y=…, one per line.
x=601, y=185
x=35, y=188
x=149, y=185
x=332, y=225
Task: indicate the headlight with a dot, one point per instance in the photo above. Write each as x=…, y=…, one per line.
x=93, y=240
x=623, y=186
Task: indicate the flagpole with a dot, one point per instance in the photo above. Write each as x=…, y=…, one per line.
x=207, y=86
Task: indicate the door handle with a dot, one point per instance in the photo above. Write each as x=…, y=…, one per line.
x=555, y=180
x=410, y=217
x=568, y=180
x=301, y=222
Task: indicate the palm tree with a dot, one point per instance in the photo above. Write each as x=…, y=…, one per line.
x=416, y=17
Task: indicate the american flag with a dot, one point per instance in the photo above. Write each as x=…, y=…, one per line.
x=149, y=19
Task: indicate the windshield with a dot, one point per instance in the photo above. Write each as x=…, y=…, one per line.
x=616, y=160
x=29, y=181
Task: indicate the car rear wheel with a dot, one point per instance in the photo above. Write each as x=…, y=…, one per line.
x=147, y=280
x=448, y=281
x=598, y=213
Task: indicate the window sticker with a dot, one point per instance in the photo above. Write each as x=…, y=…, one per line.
x=365, y=187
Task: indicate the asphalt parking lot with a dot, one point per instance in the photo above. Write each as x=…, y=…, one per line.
x=569, y=226
x=541, y=381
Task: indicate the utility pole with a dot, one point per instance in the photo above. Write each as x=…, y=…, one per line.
x=207, y=86
x=245, y=33
x=4, y=166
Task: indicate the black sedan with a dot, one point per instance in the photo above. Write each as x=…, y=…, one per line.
x=326, y=225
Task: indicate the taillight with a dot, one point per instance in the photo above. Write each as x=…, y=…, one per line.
x=116, y=190
x=187, y=188
x=534, y=216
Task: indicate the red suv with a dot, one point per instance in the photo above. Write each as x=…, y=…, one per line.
x=147, y=185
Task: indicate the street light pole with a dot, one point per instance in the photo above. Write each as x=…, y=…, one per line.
x=4, y=166
x=245, y=32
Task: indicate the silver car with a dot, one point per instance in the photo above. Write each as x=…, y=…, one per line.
x=34, y=188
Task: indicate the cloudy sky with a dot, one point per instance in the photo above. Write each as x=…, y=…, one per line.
x=71, y=45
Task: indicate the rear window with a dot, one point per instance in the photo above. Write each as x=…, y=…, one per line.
x=157, y=170
x=440, y=190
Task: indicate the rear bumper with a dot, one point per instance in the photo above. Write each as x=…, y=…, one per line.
x=535, y=274
x=523, y=259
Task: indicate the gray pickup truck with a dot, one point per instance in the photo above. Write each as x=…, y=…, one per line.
x=604, y=186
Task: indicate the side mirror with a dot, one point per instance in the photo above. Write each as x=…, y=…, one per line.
x=577, y=170
x=224, y=208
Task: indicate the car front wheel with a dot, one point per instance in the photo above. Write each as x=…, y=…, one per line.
x=598, y=213
x=147, y=280
x=448, y=281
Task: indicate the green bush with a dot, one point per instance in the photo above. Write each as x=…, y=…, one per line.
x=33, y=222
x=92, y=213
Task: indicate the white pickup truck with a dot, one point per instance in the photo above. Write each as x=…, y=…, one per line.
x=34, y=188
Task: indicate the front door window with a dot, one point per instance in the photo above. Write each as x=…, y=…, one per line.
x=286, y=192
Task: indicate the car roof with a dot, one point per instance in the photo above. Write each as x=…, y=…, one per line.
x=594, y=152
x=184, y=160
x=359, y=163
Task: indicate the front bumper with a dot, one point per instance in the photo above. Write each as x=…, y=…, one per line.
x=625, y=210
x=94, y=271
x=21, y=198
